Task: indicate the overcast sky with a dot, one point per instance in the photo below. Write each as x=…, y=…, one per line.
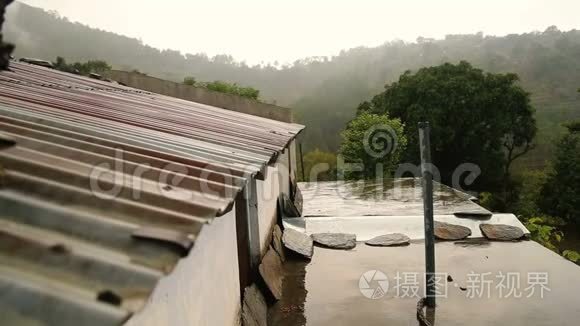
x=269, y=30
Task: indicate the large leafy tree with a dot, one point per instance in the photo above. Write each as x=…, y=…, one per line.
x=476, y=117
x=559, y=196
x=373, y=142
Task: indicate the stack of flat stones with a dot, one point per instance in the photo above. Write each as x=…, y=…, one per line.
x=277, y=242
x=272, y=272
x=254, y=307
x=271, y=269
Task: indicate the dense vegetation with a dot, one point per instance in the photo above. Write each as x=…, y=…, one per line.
x=476, y=117
x=325, y=91
x=547, y=200
x=82, y=68
x=560, y=195
x=480, y=118
x=224, y=87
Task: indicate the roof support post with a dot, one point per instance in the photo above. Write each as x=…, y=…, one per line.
x=251, y=194
x=302, y=162
x=427, y=184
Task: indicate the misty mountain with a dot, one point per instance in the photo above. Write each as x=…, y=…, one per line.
x=324, y=91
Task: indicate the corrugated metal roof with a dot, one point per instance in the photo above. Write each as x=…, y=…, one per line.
x=72, y=255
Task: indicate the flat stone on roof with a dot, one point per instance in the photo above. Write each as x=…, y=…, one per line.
x=335, y=240
x=448, y=231
x=298, y=242
x=389, y=240
x=501, y=232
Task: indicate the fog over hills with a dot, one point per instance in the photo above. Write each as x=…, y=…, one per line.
x=324, y=91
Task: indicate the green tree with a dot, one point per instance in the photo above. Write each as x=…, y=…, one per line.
x=475, y=117
x=375, y=141
x=529, y=193
x=60, y=64
x=560, y=193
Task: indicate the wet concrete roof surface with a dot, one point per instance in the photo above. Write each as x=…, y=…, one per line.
x=371, y=198
x=369, y=209
x=326, y=291
x=368, y=227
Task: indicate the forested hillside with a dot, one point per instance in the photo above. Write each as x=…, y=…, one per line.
x=326, y=91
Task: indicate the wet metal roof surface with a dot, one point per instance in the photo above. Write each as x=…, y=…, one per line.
x=142, y=119
x=103, y=188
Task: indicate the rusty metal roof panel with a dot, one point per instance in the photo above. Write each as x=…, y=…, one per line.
x=103, y=188
x=156, y=112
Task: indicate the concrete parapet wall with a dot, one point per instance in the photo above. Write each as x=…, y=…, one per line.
x=201, y=95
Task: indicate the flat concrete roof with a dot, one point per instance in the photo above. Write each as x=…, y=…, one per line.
x=370, y=208
x=368, y=227
x=490, y=282
x=384, y=198
x=326, y=291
